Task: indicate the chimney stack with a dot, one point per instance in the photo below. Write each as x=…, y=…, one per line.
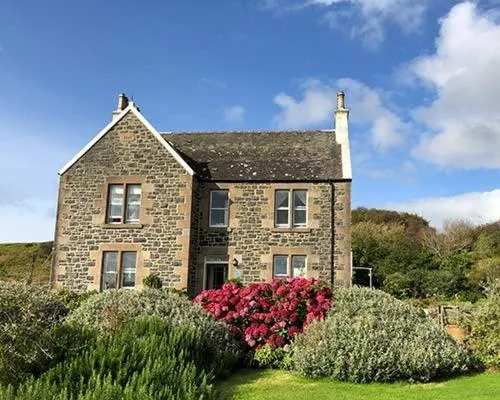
x=342, y=133
x=122, y=105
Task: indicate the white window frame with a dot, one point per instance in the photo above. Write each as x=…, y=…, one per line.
x=289, y=266
x=287, y=257
x=291, y=209
x=302, y=225
x=128, y=203
x=124, y=206
x=276, y=209
x=226, y=209
x=291, y=263
x=119, y=269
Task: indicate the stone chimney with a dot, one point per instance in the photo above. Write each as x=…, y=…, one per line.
x=341, y=119
x=122, y=105
x=342, y=133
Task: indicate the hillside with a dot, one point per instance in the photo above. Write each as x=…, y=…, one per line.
x=25, y=262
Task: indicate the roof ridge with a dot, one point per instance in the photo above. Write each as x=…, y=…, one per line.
x=248, y=131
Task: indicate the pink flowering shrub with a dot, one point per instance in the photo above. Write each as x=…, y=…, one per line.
x=268, y=313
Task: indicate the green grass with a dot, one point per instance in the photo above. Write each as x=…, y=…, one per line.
x=281, y=385
x=23, y=262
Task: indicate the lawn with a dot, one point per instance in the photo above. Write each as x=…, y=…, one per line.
x=280, y=385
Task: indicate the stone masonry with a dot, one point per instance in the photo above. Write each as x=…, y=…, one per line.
x=127, y=153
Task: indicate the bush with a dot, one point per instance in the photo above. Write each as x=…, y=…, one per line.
x=152, y=281
x=279, y=358
x=150, y=358
x=485, y=326
x=268, y=313
x=31, y=337
x=371, y=336
x=110, y=310
x=71, y=299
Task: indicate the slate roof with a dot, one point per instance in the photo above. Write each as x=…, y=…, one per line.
x=260, y=155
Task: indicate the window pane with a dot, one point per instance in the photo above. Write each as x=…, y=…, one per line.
x=299, y=198
x=282, y=217
x=109, y=270
x=133, y=204
x=115, y=203
x=299, y=207
x=299, y=266
x=280, y=267
x=218, y=218
x=299, y=217
x=219, y=199
x=282, y=199
x=128, y=268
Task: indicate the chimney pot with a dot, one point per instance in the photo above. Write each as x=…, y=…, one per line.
x=122, y=104
x=340, y=101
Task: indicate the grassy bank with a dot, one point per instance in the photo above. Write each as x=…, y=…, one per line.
x=24, y=262
x=280, y=385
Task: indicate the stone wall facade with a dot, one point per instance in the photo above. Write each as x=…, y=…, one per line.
x=252, y=238
x=173, y=238
x=128, y=153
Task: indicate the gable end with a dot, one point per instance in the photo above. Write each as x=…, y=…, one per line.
x=130, y=108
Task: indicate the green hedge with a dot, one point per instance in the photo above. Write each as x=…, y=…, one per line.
x=149, y=358
x=371, y=336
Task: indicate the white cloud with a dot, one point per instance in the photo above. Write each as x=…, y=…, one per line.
x=362, y=19
x=234, y=114
x=478, y=208
x=318, y=102
x=463, y=72
x=368, y=19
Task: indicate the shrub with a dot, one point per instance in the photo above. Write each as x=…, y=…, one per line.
x=30, y=336
x=110, y=310
x=371, y=336
x=71, y=299
x=150, y=358
x=485, y=326
x=268, y=313
x=279, y=357
x=152, y=281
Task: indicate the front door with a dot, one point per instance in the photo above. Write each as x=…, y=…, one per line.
x=216, y=275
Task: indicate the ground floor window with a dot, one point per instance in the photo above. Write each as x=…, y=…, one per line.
x=118, y=269
x=289, y=265
x=215, y=274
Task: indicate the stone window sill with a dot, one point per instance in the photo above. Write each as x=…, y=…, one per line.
x=291, y=230
x=122, y=226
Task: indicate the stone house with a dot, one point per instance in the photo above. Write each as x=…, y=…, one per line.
x=197, y=208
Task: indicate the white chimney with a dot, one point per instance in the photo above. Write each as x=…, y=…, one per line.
x=342, y=134
x=122, y=105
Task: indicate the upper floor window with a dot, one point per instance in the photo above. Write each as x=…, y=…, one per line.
x=284, y=266
x=290, y=208
x=124, y=204
x=118, y=269
x=219, y=208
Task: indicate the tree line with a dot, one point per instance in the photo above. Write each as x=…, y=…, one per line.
x=409, y=258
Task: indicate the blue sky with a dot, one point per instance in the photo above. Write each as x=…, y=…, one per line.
x=422, y=81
